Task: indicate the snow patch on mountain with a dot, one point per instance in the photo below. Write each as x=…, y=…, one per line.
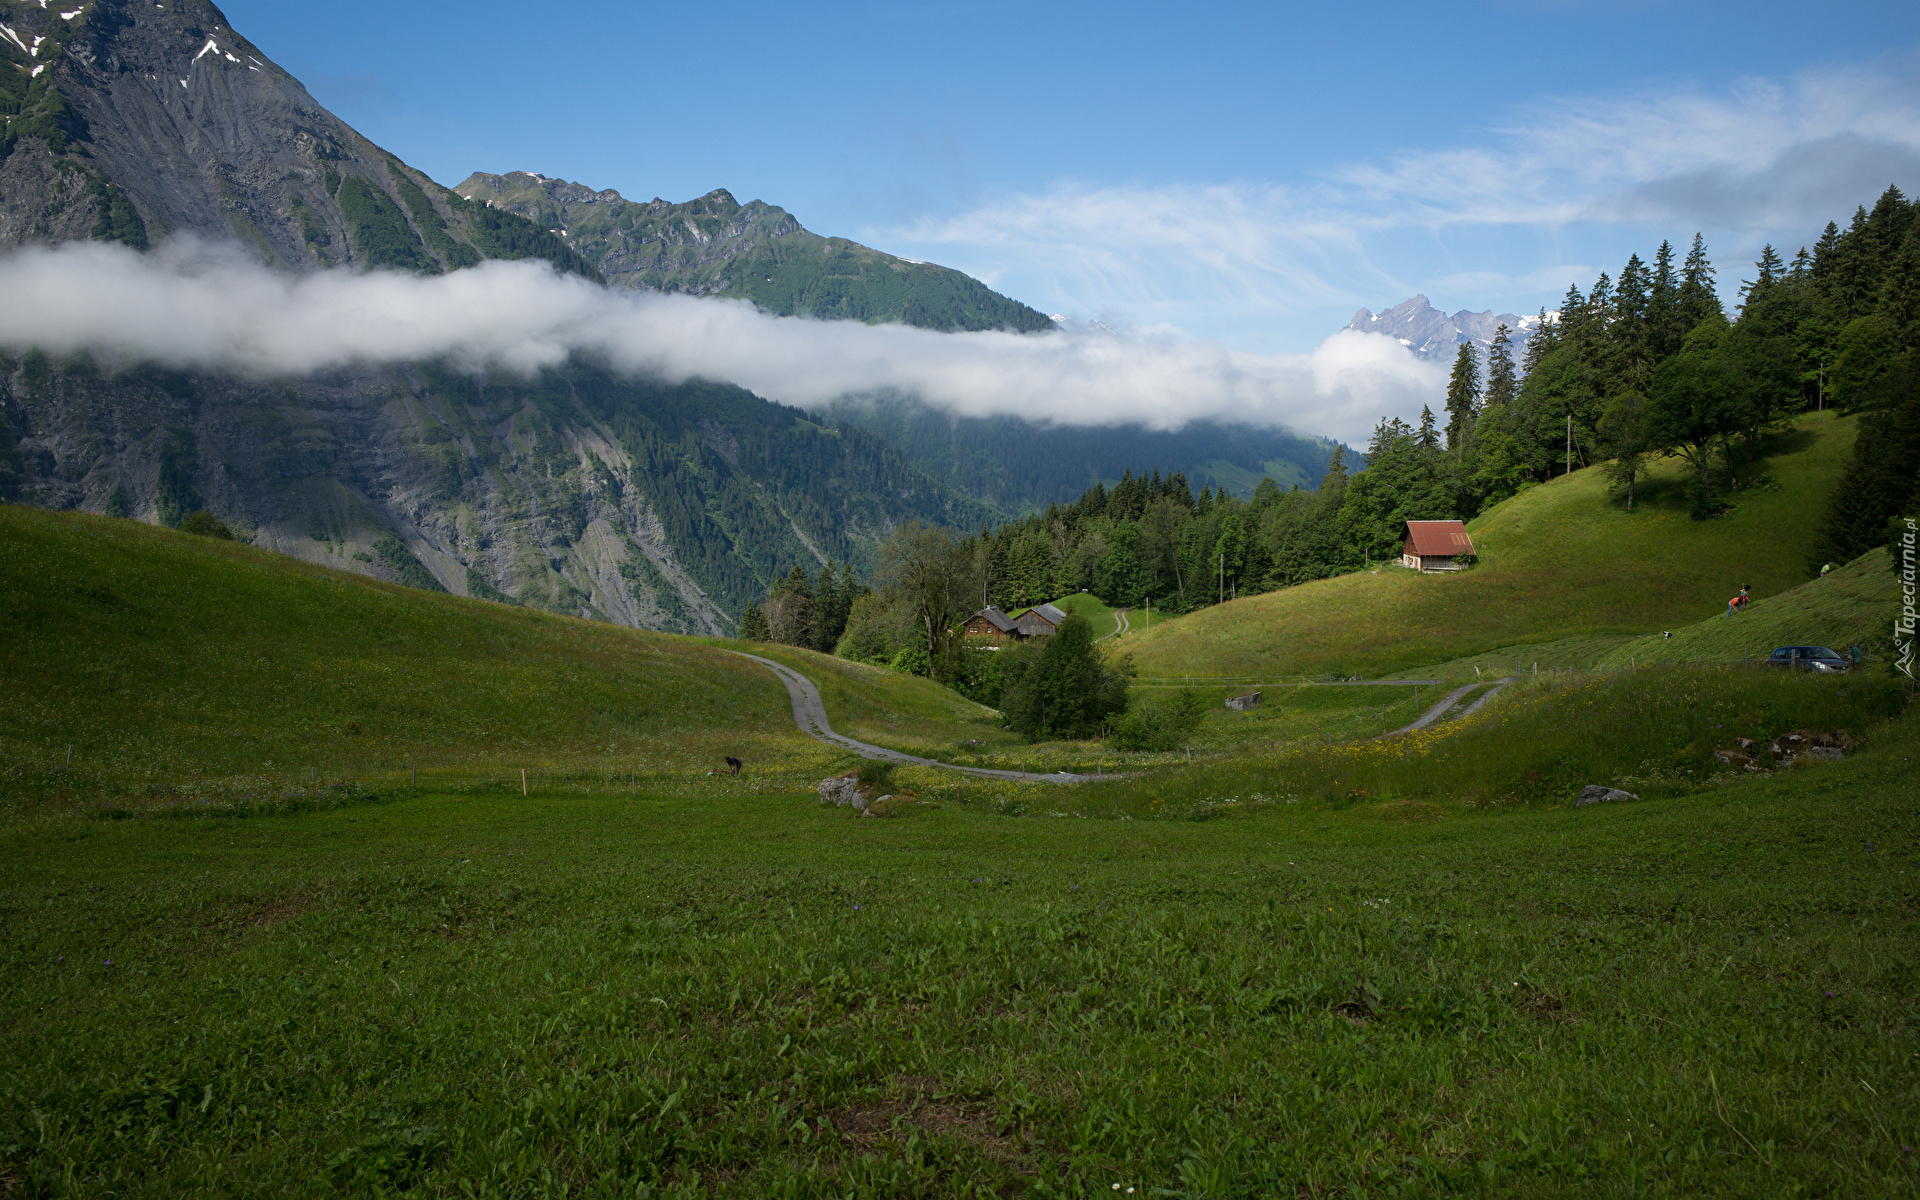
x=1434, y=336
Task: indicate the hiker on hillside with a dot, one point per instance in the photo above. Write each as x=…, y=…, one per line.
x=1738, y=602
x=1825, y=569
x=734, y=764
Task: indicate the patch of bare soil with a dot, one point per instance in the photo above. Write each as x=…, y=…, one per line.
x=269, y=913
x=919, y=1104
x=1547, y=1007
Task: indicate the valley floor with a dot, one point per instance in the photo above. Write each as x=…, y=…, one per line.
x=750, y=995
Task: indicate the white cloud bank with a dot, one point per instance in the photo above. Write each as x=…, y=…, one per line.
x=187, y=305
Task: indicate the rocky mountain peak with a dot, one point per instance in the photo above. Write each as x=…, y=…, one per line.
x=136, y=120
x=1435, y=336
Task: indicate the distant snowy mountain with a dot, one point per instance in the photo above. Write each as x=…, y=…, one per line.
x=1435, y=336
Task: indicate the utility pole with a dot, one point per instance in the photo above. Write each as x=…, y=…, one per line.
x=1223, y=577
x=1820, y=392
x=1569, y=443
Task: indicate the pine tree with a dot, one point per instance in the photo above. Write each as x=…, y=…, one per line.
x=753, y=625
x=1178, y=491
x=1824, y=255
x=1500, y=373
x=1900, y=293
x=1698, y=299
x=1663, y=306
x=1599, y=306
x=1429, y=437
x=829, y=611
x=1767, y=272
x=1546, y=335
x=1335, y=480
x=1854, y=274
x=1627, y=331
x=1463, y=395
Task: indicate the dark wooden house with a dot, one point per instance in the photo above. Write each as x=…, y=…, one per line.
x=1436, y=546
x=992, y=624
x=996, y=626
x=1040, y=621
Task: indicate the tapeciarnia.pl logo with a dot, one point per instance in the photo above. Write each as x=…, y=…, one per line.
x=1903, y=624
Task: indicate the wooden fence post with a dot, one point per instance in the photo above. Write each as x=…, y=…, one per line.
x=523, y=781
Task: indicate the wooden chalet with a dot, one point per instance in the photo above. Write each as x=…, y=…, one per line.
x=1040, y=621
x=997, y=626
x=1436, y=546
x=992, y=624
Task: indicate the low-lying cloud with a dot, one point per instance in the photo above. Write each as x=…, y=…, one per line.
x=192, y=306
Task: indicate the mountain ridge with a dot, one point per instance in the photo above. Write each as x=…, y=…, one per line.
x=1435, y=336
x=715, y=246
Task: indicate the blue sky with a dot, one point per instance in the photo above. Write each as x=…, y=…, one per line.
x=1248, y=174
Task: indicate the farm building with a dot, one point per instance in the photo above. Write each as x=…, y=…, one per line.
x=1040, y=621
x=1436, y=546
x=997, y=626
x=992, y=624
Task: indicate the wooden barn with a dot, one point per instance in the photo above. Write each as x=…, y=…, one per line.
x=997, y=626
x=992, y=624
x=1040, y=621
x=1436, y=546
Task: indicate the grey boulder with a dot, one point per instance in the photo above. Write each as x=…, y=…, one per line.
x=842, y=790
x=1593, y=793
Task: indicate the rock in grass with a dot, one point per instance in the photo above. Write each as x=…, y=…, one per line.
x=842, y=790
x=1823, y=754
x=1593, y=793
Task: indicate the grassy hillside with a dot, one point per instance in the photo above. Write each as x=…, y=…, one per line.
x=1853, y=606
x=179, y=668
x=1537, y=742
x=1557, y=561
x=1698, y=994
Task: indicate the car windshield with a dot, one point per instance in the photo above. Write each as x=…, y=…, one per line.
x=1821, y=652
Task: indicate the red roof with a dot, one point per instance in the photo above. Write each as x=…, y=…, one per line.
x=1438, y=539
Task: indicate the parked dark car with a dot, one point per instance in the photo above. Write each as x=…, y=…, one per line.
x=1808, y=658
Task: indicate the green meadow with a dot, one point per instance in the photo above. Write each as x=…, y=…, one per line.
x=145, y=666
x=1559, y=560
x=1711, y=990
